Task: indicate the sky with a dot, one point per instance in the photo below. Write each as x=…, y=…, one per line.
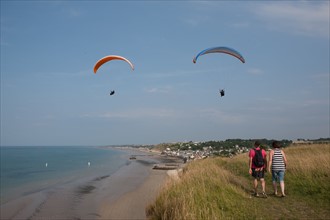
x=51, y=97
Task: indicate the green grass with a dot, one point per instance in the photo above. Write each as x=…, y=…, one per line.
x=220, y=188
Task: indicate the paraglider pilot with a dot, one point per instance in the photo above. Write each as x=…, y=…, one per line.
x=222, y=92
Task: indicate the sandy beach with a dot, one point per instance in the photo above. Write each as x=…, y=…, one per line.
x=132, y=204
x=122, y=195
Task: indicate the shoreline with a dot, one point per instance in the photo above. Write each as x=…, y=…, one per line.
x=122, y=195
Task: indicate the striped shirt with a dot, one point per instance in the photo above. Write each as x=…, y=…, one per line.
x=278, y=161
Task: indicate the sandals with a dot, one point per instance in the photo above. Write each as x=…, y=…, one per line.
x=264, y=194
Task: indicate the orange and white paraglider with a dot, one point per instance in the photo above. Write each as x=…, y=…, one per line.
x=106, y=59
x=109, y=58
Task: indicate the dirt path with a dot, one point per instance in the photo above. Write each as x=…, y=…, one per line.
x=276, y=207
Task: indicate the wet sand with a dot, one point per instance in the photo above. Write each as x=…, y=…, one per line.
x=122, y=195
x=132, y=204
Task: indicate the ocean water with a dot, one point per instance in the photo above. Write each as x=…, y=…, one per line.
x=26, y=170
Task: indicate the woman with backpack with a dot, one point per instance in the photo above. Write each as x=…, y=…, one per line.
x=257, y=167
x=278, y=162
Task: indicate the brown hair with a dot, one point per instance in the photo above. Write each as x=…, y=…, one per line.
x=257, y=143
x=276, y=144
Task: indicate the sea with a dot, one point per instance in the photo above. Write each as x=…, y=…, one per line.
x=25, y=170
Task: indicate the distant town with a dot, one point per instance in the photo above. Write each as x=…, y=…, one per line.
x=228, y=148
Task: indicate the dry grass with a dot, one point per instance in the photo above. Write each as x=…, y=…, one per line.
x=309, y=171
x=180, y=202
x=219, y=188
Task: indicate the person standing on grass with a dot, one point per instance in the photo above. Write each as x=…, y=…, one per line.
x=257, y=167
x=278, y=162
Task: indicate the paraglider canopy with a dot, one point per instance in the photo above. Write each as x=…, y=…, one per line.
x=105, y=59
x=109, y=58
x=225, y=50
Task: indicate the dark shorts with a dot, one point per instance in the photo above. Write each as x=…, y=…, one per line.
x=257, y=173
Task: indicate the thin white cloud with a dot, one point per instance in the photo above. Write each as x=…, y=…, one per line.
x=74, y=12
x=205, y=114
x=165, y=89
x=134, y=114
x=315, y=103
x=322, y=77
x=3, y=43
x=5, y=28
x=241, y=24
x=221, y=116
x=307, y=18
x=196, y=20
x=177, y=73
x=255, y=71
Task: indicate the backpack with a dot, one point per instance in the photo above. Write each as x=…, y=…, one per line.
x=258, y=159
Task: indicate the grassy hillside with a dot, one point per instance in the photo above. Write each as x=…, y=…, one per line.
x=221, y=188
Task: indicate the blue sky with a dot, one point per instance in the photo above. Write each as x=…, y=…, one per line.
x=50, y=96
